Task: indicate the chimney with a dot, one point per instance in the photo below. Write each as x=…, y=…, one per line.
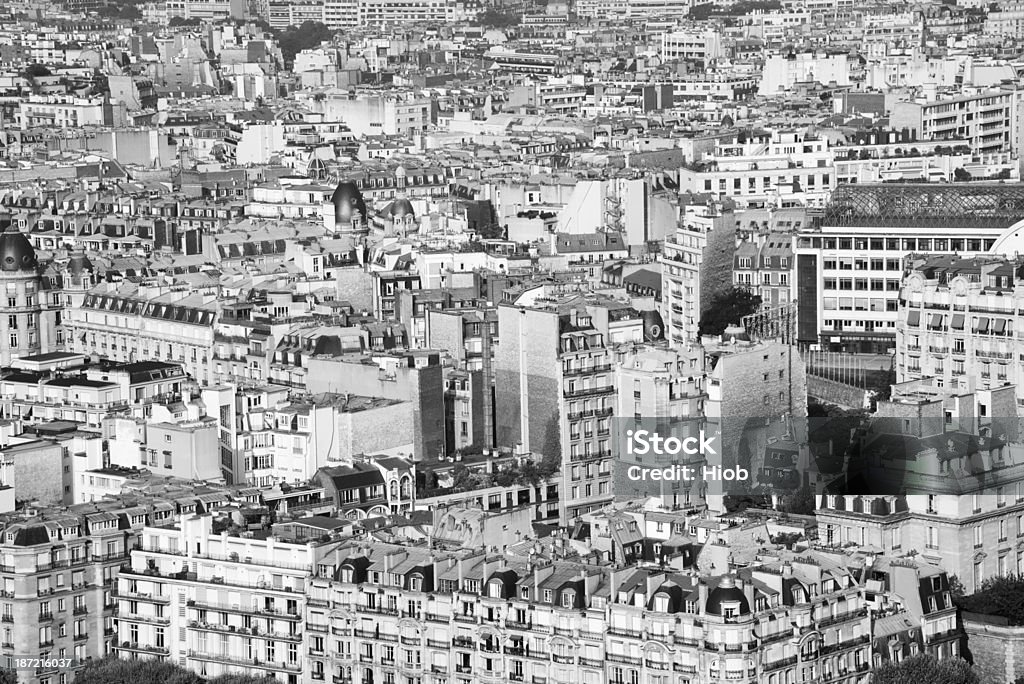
x=536, y=583
x=702, y=594
x=652, y=584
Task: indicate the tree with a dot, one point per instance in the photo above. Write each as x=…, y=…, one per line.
x=800, y=502
x=496, y=19
x=727, y=308
x=8, y=677
x=956, y=588
x=1000, y=596
x=308, y=35
x=33, y=71
x=925, y=669
x=961, y=175
x=241, y=679
x=112, y=670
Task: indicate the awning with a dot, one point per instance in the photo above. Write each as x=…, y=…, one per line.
x=935, y=322
x=914, y=317
x=958, y=322
x=998, y=326
x=982, y=325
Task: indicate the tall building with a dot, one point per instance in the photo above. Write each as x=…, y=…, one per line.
x=849, y=264
x=59, y=573
x=666, y=387
x=696, y=265
x=554, y=391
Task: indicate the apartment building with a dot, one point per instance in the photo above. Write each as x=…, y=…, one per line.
x=375, y=113
x=756, y=398
x=27, y=326
x=761, y=169
x=414, y=378
x=382, y=13
x=973, y=537
x=553, y=96
x=377, y=486
x=554, y=392
x=148, y=321
x=384, y=612
x=782, y=72
x=763, y=261
x=61, y=111
x=696, y=265
x=288, y=441
x=59, y=572
x=217, y=602
x=703, y=46
x=665, y=390
x=205, y=10
x=850, y=263
x=915, y=611
x=960, y=322
x=982, y=117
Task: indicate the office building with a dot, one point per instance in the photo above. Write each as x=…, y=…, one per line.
x=850, y=263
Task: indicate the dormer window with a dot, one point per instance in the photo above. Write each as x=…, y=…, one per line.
x=568, y=598
x=547, y=596
x=524, y=593
x=494, y=589
x=416, y=582
x=661, y=603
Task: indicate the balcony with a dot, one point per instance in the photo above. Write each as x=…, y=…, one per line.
x=582, y=392
x=988, y=354
x=563, y=659
x=591, y=662
x=146, y=619
x=940, y=636
x=143, y=648
x=243, y=631
x=244, y=610
x=463, y=642
x=622, y=659
x=136, y=596
x=778, y=664
x=464, y=669
x=625, y=632
x=245, y=662
x=599, y=368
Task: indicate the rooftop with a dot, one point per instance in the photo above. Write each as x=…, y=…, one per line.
x=930, y=205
